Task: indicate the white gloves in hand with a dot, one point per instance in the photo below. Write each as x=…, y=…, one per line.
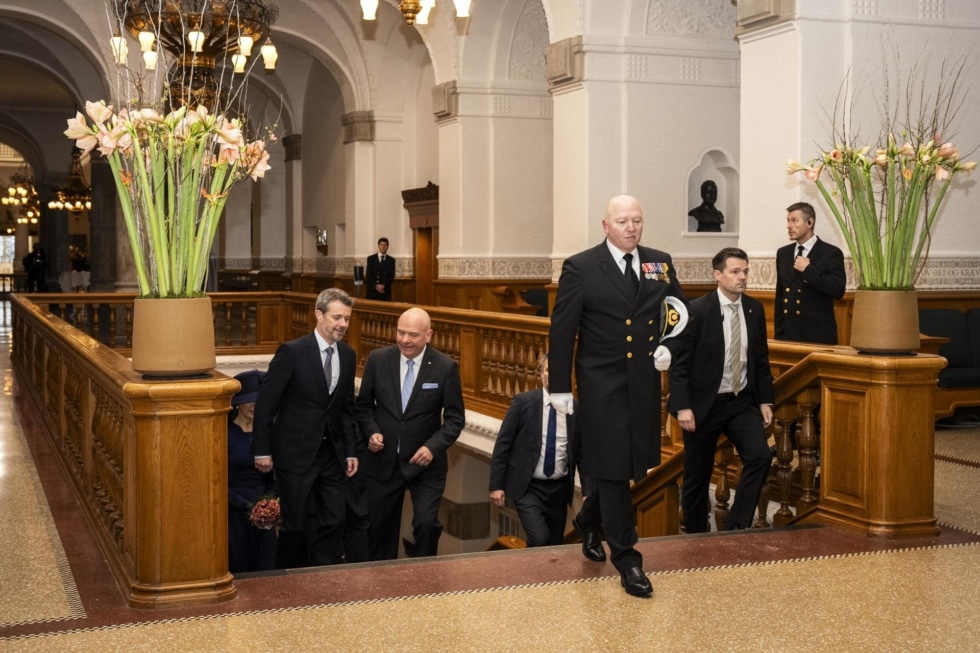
x=661, y=359
x=563, y=402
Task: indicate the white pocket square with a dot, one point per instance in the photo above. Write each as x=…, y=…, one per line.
x=430, y=386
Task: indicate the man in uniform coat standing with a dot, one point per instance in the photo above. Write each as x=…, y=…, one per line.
x=410, y=410
x=610, y=297
x=304, y=425
x=380, y=273
x=809, y=277
x=721, y=383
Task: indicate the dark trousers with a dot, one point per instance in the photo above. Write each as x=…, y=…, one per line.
x=356, y=543
x=385, y=499
x=610, y=506
x=543, y=510
x=739, y=419
x=313, y=505
x=249, y=548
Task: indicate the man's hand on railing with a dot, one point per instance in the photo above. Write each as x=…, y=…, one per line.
x=563, y=402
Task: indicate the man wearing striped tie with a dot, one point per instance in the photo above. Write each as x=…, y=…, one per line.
x=410, y=410
x=533, y=463
x=722, y=383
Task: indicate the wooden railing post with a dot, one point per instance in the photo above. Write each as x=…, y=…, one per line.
x=806, y=442
x=784, y=470
x=724, y=456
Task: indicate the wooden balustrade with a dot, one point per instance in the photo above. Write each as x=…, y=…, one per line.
x=147, y=459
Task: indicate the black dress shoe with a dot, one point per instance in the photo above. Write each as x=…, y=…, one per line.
x=591, y=546
x=635, y=582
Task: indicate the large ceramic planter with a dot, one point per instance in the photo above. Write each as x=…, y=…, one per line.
x=885, y=322
x=173, y=338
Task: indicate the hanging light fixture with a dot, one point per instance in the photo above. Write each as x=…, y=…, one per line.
x=197, y=33
x=21, y=188
x=75, y=196
x=414, y=10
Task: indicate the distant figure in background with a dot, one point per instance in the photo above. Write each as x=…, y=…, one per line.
x=249, y=548
x=709, y=218
x=809, y=277
x=533, y=463
x=380, y=273
x=36, y=266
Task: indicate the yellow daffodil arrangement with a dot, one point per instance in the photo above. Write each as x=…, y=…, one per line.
x=173, y=173
x=886, y=197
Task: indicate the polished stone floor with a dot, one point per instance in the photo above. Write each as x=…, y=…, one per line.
x=813, y=589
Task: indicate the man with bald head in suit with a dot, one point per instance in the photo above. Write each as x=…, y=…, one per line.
x=410, y=410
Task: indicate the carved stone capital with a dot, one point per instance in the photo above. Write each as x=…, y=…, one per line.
x=293, y=147
x=358, y=127
x=566, y=62
x=752, y=15
x=445, y=100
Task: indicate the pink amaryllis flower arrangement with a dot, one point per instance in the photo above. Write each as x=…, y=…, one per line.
x=266, y=514
x=886, y=196
x=173, y=173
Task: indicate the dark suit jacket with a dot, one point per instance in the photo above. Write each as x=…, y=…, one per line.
x=805, y=300
x=378, y=272
x=695, y=375
x=518, y=447
x=434, y=416
x=618, y=385
x=294, y=410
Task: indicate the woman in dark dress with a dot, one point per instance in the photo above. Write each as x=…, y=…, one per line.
x=249, y=548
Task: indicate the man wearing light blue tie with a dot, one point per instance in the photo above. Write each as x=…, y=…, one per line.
x=410, y=410
x=533, y=463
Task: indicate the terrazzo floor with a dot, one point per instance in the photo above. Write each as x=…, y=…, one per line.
x=813, y=589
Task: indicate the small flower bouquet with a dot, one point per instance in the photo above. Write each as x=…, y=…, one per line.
x=266, y=514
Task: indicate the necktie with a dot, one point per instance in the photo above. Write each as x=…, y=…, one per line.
x=382, y=259
x=549, y=443
x=631, y=273
x=328, y=368
x=799, y=251
x=735, y=349
x=408, y=384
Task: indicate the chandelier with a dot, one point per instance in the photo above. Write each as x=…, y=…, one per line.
x=21, y=189
x=415, y=11
x=30, y=212
x=75, y=196
x=197, y=34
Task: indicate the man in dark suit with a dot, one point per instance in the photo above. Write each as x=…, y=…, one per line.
x=410, y=409
x=610, y=297
x=304, y=424
x=380, y=273
x=721, y=383
x=533, y=463
x=809, y=277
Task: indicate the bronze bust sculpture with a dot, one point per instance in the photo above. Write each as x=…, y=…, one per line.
x=709, y=218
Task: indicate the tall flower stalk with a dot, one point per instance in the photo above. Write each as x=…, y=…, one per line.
x=173, y=174
x=886, y=197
